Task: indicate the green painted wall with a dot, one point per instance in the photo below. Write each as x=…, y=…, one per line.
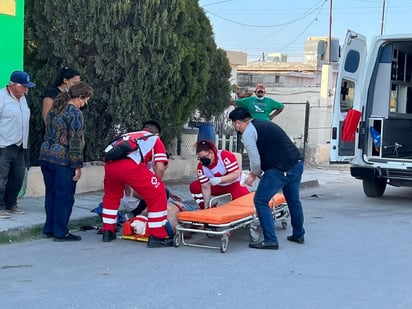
x=11, y=38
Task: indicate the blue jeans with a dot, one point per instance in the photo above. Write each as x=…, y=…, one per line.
x=272, y=181
x=59, y=199
x=12, y=169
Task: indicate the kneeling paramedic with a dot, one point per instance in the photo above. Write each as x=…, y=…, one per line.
x=142, y=170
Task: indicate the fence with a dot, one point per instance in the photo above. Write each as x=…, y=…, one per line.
x=294, y=120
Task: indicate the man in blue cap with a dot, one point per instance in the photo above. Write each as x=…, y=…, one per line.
x=14, y=134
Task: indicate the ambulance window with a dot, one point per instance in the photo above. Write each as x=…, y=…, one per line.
x=347, y=93
x=352, y=61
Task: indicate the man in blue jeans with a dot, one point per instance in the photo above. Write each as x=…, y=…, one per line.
x=271, y=151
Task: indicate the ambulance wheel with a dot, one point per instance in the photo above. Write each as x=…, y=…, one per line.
x=177, y=239
x=374, y=187
x=224, y=244
x=284, y=225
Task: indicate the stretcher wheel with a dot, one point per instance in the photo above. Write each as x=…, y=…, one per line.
x=284, y=225
x=254, y=235
x=225, y=243
x=177, y=239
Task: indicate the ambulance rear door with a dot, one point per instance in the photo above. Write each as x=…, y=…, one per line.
x=348, y=97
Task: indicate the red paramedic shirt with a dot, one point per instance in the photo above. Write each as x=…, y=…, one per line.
x=226, y=163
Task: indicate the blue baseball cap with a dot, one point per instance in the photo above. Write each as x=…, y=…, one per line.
x=22, y=78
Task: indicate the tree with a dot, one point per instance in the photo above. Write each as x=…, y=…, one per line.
x=218, y=87
x=144, y=59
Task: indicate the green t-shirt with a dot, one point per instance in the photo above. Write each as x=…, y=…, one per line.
x=259, y=109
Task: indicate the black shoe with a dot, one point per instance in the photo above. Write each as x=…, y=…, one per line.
x=108, y=236
x=264, y=245
x=159, y=242
x=67, y=237
x=300, y=240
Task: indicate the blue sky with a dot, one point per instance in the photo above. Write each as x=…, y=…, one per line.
x=264, y=26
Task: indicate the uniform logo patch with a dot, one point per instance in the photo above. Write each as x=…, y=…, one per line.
x=155, y=182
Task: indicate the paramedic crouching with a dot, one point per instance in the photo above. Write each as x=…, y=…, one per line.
x=270, y=150
x=135, y=171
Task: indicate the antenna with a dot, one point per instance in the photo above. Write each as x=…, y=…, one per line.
x=383, y=15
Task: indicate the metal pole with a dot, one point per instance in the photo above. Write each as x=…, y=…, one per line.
x=383, y=16
x=330, y=33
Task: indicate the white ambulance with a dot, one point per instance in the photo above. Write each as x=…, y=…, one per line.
x=372, y=119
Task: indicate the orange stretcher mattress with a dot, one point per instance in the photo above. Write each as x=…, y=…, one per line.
x=219, y=215
x=237, y=209
x=247, y=200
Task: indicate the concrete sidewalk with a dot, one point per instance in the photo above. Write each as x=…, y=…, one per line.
x=85, y=202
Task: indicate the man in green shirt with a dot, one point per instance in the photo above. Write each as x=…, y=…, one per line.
x=259, y=106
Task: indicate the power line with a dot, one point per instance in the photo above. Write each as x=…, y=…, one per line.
x=305, y=14
x=302, y=32
x=219, y=2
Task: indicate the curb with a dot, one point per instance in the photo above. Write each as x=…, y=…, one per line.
x=309, y=184
x=34, y=231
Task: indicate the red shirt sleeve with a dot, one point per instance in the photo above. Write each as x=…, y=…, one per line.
x=200, y=174
x=230, y=161
x=160, y=154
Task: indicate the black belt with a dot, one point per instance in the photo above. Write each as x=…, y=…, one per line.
x=15, y=146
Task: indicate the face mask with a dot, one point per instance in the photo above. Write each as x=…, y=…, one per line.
x=259, y=98
x=205, y=161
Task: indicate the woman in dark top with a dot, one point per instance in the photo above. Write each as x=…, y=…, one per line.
x=61, y=159
x=66, y=78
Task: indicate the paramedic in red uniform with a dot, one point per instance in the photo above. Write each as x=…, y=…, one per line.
x=136, y=172
x=218, y=172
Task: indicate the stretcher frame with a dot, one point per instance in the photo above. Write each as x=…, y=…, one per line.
x=280, y=213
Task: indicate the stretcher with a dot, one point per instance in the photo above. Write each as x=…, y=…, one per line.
x=222, y=220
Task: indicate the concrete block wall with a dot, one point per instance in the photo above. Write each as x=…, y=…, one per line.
x=93, y=175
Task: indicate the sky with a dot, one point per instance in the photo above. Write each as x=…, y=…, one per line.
x=259, y=27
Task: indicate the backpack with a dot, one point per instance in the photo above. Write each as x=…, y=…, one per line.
x=121, y=147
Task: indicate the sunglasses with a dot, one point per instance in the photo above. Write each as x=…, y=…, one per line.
x=259, y=92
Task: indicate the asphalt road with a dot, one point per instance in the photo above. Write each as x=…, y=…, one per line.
x=357, y=254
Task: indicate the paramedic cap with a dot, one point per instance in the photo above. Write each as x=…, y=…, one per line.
x=260, y=87
x=239, y=114
x=22, y=78
x=204, y=145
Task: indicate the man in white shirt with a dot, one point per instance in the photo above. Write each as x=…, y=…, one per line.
x=14, y=133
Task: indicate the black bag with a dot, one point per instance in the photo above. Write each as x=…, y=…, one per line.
x=121, y=147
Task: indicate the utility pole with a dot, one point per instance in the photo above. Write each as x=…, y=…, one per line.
x=330, y=32
x=383, y=16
